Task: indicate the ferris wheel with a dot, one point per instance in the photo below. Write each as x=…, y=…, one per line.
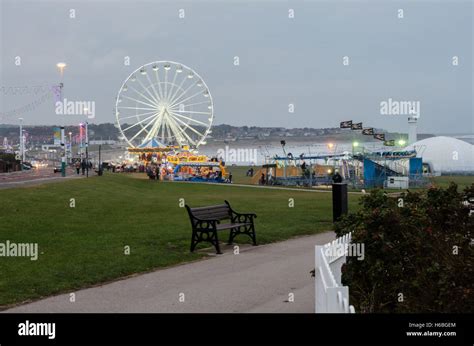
x=166, y=101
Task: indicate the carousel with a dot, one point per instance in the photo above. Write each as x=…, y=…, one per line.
x=164, y=111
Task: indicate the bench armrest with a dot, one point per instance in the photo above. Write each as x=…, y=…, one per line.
x=241, y=217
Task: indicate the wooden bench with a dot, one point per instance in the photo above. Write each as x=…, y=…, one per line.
x=206, y=223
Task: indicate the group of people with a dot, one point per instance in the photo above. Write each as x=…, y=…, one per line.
x=153, y=172
x=83, y=165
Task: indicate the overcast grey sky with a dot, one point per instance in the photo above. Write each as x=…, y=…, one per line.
x=282, y=60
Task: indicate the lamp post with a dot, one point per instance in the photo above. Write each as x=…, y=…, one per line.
x=70, y=147
x=61, y=66
x=81, y=145
x=21, y=142
x=87, y=150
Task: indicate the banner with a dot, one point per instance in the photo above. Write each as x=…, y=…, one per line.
x=346, y=124
x=390, y=143
x=357, y=126
x=368, y=131
x=57, y=136
x=380, y=136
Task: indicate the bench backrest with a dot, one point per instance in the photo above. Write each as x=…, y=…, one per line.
x=213, y=212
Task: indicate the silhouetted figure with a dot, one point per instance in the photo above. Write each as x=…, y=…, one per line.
x=83, y=166
x=337, y=178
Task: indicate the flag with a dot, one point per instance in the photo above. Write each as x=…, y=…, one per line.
x=368, y=131
x=346, y=124
x=57, y=136
x=390, y=143
x=379, y=136
x=357, y=126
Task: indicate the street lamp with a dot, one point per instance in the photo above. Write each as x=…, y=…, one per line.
x=355, y=144
x=61, y=66
x=401, y=142
x=21, y=142
x=70, y=147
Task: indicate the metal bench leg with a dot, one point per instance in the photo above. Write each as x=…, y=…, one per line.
x=215, y=241
x=231, y=236
x=253, y=236
x=194, y=241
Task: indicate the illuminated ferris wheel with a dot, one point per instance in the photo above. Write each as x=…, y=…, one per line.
x=166, y=101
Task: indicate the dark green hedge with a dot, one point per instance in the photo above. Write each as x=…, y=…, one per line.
x=418, y=252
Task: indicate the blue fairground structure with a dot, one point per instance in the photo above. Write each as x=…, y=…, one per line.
x=203, y=172
x=382, y=169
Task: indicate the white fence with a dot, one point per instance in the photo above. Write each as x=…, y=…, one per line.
x=331, y=296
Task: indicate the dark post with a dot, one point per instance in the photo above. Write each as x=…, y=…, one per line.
x=87, y=163
x=339, y=200
x=100, y=163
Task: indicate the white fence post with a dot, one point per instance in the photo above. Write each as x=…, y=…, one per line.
x=330, y=295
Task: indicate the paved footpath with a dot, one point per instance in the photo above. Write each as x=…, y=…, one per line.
x=34, y=177
x=259, y=279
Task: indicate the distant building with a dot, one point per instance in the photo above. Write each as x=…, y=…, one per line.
x=102, y=141
x=48, y=147
x=445, y=154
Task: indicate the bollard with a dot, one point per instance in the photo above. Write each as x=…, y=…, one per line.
x=339, y=200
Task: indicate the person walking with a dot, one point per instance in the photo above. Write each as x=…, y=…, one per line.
x=83, y=166
x=78, y=167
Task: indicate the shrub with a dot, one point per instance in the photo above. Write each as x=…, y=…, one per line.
x=418, y=252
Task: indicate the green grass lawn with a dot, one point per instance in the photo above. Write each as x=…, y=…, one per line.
x=84, y=245
x=461, y=180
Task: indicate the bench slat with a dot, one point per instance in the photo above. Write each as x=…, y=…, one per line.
x=218, y=212
x=230, y=225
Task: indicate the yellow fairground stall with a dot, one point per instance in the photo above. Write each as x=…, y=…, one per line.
x=179, y=163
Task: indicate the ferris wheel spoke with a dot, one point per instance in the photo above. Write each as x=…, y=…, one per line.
x=157, y=77
x=141, y=108
x=138, y=115
x=153, y=87
x=190, y=119
x=156, y=126
x=180, y=131
x=173, y=102
x=139, y=122
x=188, y=98
x=174, y=130
x=180, y=87
x=193, y=104
x=136, y=100
x=139, y=132
x=172, y=83
x=167, y=130
x=148, y=91
x=193, y=112
x=189, y=127
x=145, y=97
x=166, y=84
